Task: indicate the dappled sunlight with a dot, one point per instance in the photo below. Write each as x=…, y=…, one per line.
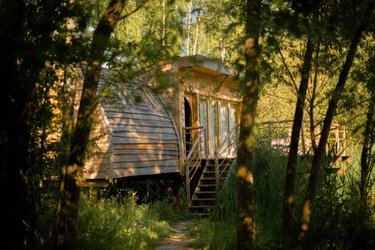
x=246, y=175
x=291, y=199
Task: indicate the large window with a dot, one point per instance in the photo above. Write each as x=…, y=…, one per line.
x=219, y=118
x=224, y=127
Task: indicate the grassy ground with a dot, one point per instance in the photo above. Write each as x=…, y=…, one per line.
x=337, y=223
x=121, y=223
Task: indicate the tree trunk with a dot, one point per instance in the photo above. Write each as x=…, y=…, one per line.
x=69, y=186
x=290, y=177
x=318, y=156
x=250, y=87
x=312, y=101
x=14, y=133
x=366, y=159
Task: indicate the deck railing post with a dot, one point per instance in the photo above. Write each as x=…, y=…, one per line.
x=187, y=177
x=217, y=171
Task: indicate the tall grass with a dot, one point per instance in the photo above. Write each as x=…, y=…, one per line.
x=219, y=231
x=337, y=221
x=269, y=181
x=121, y=223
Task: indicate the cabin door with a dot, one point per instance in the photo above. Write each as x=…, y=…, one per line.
x=188, y=123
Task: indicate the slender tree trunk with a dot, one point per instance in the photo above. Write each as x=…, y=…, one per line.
x=290, y=177
x=312, y=101
x=318, y=157
x=367, y=148
x=250, y=87
x=163, y=28
x=69, y=186
x=13, y=126
x=197, y=30
x=188, y=26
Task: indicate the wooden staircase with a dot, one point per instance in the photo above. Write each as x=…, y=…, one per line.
x=204, y=196
x=201, y=196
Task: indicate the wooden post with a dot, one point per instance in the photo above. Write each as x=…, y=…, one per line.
x=344, y=140
x=269, y=132
x=217, y=172
x=205, y=138
x=187, y=177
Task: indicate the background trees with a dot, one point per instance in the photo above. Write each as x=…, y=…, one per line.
x=303, y=45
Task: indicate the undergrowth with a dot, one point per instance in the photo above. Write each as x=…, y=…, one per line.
x=121, y=223
x=337, y=221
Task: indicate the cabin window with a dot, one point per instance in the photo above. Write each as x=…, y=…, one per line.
x=233, y=113
x=203, y=113
x=212, y=127
x=219, y=118
x=224, y=127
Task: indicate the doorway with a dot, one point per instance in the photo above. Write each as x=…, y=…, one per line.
x=188, y=123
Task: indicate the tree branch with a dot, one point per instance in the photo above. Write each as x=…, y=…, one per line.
x=143, y=3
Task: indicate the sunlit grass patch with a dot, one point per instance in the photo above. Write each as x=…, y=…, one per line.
x=121, y=223
x=209, y=234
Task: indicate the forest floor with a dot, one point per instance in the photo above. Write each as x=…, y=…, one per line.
x=179, y=238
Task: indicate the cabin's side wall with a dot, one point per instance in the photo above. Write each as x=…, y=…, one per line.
x=97, y=165
x=165, y=80
x=143, y=143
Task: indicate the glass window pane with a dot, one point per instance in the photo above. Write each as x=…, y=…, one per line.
x=232, y=115
x=203, y=116
x=212, y=127
x=224, y=127
x=203, y=113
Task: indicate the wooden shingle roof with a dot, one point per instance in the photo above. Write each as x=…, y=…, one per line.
x=143, y=136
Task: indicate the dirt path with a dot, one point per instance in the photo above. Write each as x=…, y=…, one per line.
x=178, y=239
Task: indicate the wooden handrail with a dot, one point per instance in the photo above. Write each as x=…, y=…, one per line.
x=192, y=128
x=193, y=158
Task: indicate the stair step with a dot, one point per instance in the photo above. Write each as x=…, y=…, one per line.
x=201, y=206
x=203, y=199
x=206, y=185
x=208, y=178
x=202, y=214
x=205, y=192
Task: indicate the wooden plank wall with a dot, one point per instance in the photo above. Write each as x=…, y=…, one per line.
x=143, y=136
x=97, y=165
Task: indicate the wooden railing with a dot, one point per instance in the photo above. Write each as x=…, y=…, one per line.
x=225, y=155
x=195, y=151
x=277, y=134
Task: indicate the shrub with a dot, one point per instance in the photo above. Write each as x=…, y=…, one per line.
x=119, y=223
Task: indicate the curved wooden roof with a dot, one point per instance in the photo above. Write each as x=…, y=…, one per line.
x=143, y=137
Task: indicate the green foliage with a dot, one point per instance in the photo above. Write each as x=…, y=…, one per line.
x=121, y=223
x=338, y=221
x=210, y=234
x=226, y=206
x=219, y=232
x=269, y=176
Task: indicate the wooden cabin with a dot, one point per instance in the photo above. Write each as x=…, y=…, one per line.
x=173, y=120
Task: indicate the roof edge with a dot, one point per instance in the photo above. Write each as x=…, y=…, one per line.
x=204, y=62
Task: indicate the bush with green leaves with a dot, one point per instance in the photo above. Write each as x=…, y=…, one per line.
x=121, y=223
